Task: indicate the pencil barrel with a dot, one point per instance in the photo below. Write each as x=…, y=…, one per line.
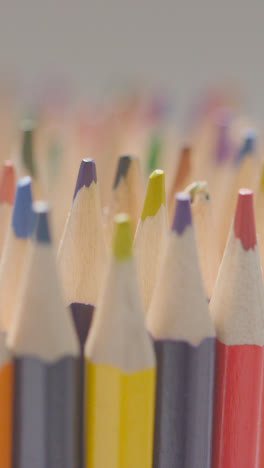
x=46, y=419
x=184, y=397
x=119, y=417
x=237, y=406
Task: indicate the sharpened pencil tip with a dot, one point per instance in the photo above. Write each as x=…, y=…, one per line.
x=41, y=213
x=182, y=217
x=86, y=175
x=248, y=145
x=223, y=142
x=155, y=194
x=22, y=218
x=199, y=188
x=244, y=221
x=122, y=238
x=28, y=126
x=7, y=183
x=122, y=168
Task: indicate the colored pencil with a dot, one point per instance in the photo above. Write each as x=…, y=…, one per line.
x=154, y=152
x=183, y=331
x=181, y=176
x=120, y=368
x=151, y=235
x=127, y=193
x=82, y=256
x=7, y=192
x=237, y=306
x=245, y=173
x=259, y=210
x=15, y=251
x=45, y=345
x=207, y=240
x=27, y=155
x=82, y=252
x=6, y=405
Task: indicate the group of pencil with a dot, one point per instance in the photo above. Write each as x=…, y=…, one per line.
x=135, y=338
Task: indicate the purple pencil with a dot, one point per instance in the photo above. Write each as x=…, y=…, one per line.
x=184, y=340
x=82, y=254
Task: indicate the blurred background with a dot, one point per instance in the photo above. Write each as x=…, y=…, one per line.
x=88, y=49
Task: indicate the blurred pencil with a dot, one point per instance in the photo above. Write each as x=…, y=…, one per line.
x=245, y=173
x=154, y=152
x=44, y=343
x=127, y=193
x=7, y=192
x=151, y=235
x=181, y=177
x=15, y=251
x=237, y=307
x=120, y=368
x=6, y=405
x=184, y=335
x=207, y=239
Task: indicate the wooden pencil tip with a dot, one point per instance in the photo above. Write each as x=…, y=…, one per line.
x=122, y=168
x=248, y=145
x=122, y=238
x=41, y=213
x=244, y=222
x=154, y=151
x=22, y=217
x=155, y=195
x=7, y=183
x=223, y=142
x=28, y=126
x=86, y=175
x=199, y=188
x=262, y=178
x=182, y=217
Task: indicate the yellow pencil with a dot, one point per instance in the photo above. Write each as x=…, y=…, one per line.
x=120, y=368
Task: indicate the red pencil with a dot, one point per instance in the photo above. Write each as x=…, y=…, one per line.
x=237, y=306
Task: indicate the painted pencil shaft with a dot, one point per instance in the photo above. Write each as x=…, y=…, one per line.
x=237, y=405
x=120, y=417
x=82, y=316
x=6, y=406
x=237, y=307
x=186, y=410
x=120, y=367
x=45, y=413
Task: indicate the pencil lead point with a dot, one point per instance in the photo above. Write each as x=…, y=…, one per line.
x=41, y=213
x=7, y=183
x=28, y=126
x=86, y=175
x=248, y=145
x=122, y=238
x=154, y=152
x=22, y=218
x=244, y=221
x=182, y=217
x=122, y=169
x=155, y=195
